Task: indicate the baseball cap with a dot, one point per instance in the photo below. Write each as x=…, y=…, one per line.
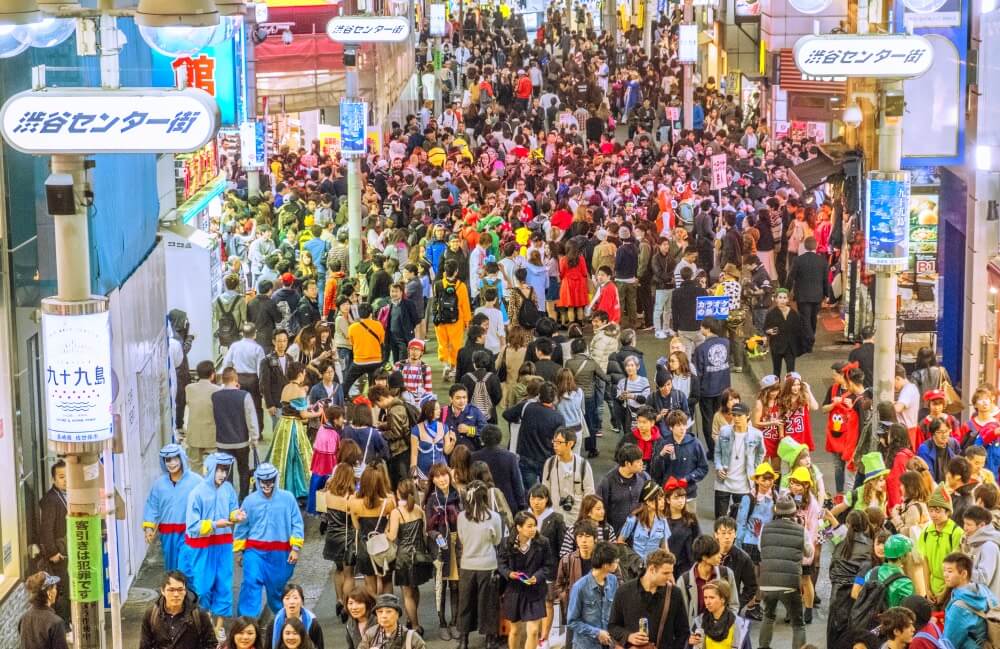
x=288, y=279
x=40, y=581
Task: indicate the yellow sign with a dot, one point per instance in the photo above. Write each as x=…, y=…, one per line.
x=762, y=64
x=329, y=139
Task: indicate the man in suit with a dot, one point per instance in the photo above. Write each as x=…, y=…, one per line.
x=52, y=536
x=200, y=416
x=809, y=281
x=402, y=321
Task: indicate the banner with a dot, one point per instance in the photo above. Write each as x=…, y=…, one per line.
x=86, y=569
x=711, y=306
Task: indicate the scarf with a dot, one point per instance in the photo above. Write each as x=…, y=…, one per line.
x=279, y=621
x=718, y=630
x=646, y=446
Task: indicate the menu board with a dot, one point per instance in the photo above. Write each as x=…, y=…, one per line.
x=919, y=283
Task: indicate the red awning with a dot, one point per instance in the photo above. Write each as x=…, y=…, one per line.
x=306, y=19
x=790, y=78
x=307, y=52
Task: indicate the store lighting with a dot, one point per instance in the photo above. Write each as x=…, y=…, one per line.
x=10, y=44
x=177, y=41
x=176, y=13
x=19, y=12
x=47, y=32
x=853, y=116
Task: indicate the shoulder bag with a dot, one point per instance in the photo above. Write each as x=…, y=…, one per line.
x=381, y=551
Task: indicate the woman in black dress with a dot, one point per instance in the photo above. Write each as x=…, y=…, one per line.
x=413, y=561
x=370, y=510
x=528, y=563
x=785, y=331
x=340, y=545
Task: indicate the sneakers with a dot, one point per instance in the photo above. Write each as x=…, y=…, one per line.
x=662, y=335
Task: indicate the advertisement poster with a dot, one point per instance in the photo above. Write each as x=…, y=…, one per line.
x=353, y=123
x=888, y=223
x=747, y=11
x=918, y=283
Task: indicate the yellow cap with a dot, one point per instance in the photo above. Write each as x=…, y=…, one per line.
x=763, y=469
x=802, y=475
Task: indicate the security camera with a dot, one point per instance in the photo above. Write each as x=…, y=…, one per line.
x=59, y=194
x=286, y=37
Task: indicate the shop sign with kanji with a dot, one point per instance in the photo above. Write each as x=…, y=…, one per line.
x=86, y=567
x=91, y=120
x=354, y=30
x=894, y=56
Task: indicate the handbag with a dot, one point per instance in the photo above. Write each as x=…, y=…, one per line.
x=953, y=401
x=381, y=551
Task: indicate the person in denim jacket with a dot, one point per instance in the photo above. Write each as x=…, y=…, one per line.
x=756, y=510
x=648, y=529
x=739, y=450
x=590, y=601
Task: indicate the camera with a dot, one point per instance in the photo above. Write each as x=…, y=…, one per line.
x=567, y=502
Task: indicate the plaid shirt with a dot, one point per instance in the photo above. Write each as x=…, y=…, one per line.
x=416, y=377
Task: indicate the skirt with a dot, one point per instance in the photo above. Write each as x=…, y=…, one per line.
x=524, y=604
x=552, y=292
x=291, y=454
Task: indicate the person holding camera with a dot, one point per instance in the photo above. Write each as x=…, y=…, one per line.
x=568, y=476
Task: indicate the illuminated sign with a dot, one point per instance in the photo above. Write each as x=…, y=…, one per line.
x=195, y=171
x=77, y=353
x=438, y=19
x=91, y=120
x=897, y=56
x=687, y=48
x=212, y=69
x=887, y=233
x=368, y=29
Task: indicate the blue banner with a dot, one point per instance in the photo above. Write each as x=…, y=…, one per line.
x=353, y=123
x=712, y=306
x=887, y=231
x=212, y=69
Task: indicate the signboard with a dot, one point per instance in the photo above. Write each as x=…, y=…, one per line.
x=194, y=171
x=438, y=20
x=720, y=176
x=711, y=306
x=252, y=145
x=86, y=560
x=887, y=235
x=329, y=138
x=687, y=48
x=918, y=284
x=898, y=56
x=91, y=120
x=368, y=29
x=353, y=124
x=212, y=69
x=77, y=353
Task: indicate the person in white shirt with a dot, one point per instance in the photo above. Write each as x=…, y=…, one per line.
x=428, y=80
x=495, y=336
x=477, y=259
x=907, y=399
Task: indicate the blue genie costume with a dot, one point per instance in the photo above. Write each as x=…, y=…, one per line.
x=207, y=556
x=166, y=507
x=272, y=531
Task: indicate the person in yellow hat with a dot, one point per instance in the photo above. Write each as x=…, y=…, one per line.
x=808, y=513
x=756, y=509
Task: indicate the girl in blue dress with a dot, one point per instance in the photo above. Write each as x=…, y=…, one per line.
x=291, y=452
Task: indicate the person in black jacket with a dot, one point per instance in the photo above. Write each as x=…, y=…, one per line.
x=783, y=545
x=482, y=361
x=40, y=627
x=175, y=620
x=809, y=280
x=264, y=314
x=539, y=422
x=503, y=466
x=785, y=333
x=475, y=341
x=528, y=563
x=272, y=373
x=683, y=308
x=52, y=535
x=734, y=558
x=402, y=322
x=644, y=599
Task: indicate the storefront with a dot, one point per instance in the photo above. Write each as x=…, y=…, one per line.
x=919, y=283
x=805, y=106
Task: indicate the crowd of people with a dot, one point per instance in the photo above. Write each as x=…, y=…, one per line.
x=529, y=232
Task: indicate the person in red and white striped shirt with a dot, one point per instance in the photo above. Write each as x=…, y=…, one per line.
x=417, y=374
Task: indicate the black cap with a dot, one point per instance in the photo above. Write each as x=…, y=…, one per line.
x=740, y=409
x=921, y=608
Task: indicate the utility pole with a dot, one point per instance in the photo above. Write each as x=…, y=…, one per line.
x=353, y=168
x=688, y=68
x=647, y=27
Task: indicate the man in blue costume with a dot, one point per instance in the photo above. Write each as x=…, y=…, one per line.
x=207, y=558
x=166, y=507
x=270, y=539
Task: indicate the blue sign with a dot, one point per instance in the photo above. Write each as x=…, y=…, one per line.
x=212, y=69
x=887, y=231
x=353, y=127
x=711, y=306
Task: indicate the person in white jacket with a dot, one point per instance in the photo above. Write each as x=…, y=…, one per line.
x=983, y=545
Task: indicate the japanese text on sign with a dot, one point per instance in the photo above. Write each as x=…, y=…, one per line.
x=856, y=55
x=84, y=120
x=887, y=234
x=200, y=71
x=85, y=565
x=368, y=29
x=720, y=173
x=711, y=306
x=353, y=127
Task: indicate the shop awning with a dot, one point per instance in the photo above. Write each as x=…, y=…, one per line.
x=813, y=172
x=791, y=80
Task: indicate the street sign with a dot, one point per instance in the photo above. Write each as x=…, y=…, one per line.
x=353, y=30
x=897, y=56
x=687, y=45
x=887, y=231
x=91, y=120
x=76, y=350
x=720, y=175
x=353, y=127
x=252, y=145
x=438, y=20
x=711, y=306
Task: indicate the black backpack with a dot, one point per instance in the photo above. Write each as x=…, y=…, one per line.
x=528, y=314
x=227, y=331
x=873, y=601
x=445, y=304
x=412, y=414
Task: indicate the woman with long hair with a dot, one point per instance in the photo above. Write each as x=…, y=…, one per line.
x=291, y=452
x=292, y=634
x=528, y=563
x=510, y=359
x=481, y=472
x=341, y=540
x=460, y=462
x=797, y=401
x=413, y=561
x=684, y=527
x=766, y=417
x=927, y=375
x=682, y=375
x=431, y=442
x=647, y=529
x=808, y=511
x=306, y=268
x=852, y=549
x=591, y=509
x=724, y=415
x=370, y=510
x=243, y=634
x=573, y=275
x=552, y=527
x=480, y=531
x=362, y=431
x=441, y=507
x=569, y=401
x=293, y=610
x=897, y=453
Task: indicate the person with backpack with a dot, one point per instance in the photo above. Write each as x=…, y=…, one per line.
x=286, y=299
x=539, y=422
x=395, y=427
x=568, y=476
x=229, y=312
x=983, y=543
x=475, y=341
x=452, y=315
x=463, y=419
x=783, y=546
x=971, y=616
x=885, y=586
x=483, y=384
x=524, y=309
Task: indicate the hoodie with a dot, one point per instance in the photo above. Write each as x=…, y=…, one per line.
x=208, y=503
x=166, y=506
x=604, y=344
x=538, y=279
x=984, y=546
x=963, y=628
x=272, y=524
x=687, y=463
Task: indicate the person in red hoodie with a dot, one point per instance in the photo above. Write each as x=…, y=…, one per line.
x=646, y=433
x=522, y=91
x=935, y=400
x=899, y=453
x=606, y=296
x=928, y=629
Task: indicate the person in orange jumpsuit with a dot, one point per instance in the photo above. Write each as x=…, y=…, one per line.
x=452, y=315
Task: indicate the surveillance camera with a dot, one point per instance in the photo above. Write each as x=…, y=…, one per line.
x=286, y=37
x=59, y=194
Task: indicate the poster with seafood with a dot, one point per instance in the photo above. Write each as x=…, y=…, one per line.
x=919, y=283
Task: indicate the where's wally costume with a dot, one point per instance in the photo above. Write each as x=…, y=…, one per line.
x=207, y=555
x=166, y=507
x=272, y=530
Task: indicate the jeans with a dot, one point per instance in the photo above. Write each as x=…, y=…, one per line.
x=628, y=293
x=792, y=600
x=591, y=415
x=531, y=472
x=809, y=311
x=708, y=406
x=397, y=348
x=661, y=310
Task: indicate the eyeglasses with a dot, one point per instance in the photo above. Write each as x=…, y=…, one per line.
x=175, y=590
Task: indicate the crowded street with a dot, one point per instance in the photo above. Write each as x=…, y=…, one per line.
x=477, y=325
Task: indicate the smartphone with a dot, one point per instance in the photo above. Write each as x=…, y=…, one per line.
x=442, y=543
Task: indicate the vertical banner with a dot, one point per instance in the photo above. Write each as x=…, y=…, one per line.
x=887, y=231
x=86, y=561
x=353, y=127
x=720, y=173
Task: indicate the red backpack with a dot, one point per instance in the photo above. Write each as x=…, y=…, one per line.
x=841, y=426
